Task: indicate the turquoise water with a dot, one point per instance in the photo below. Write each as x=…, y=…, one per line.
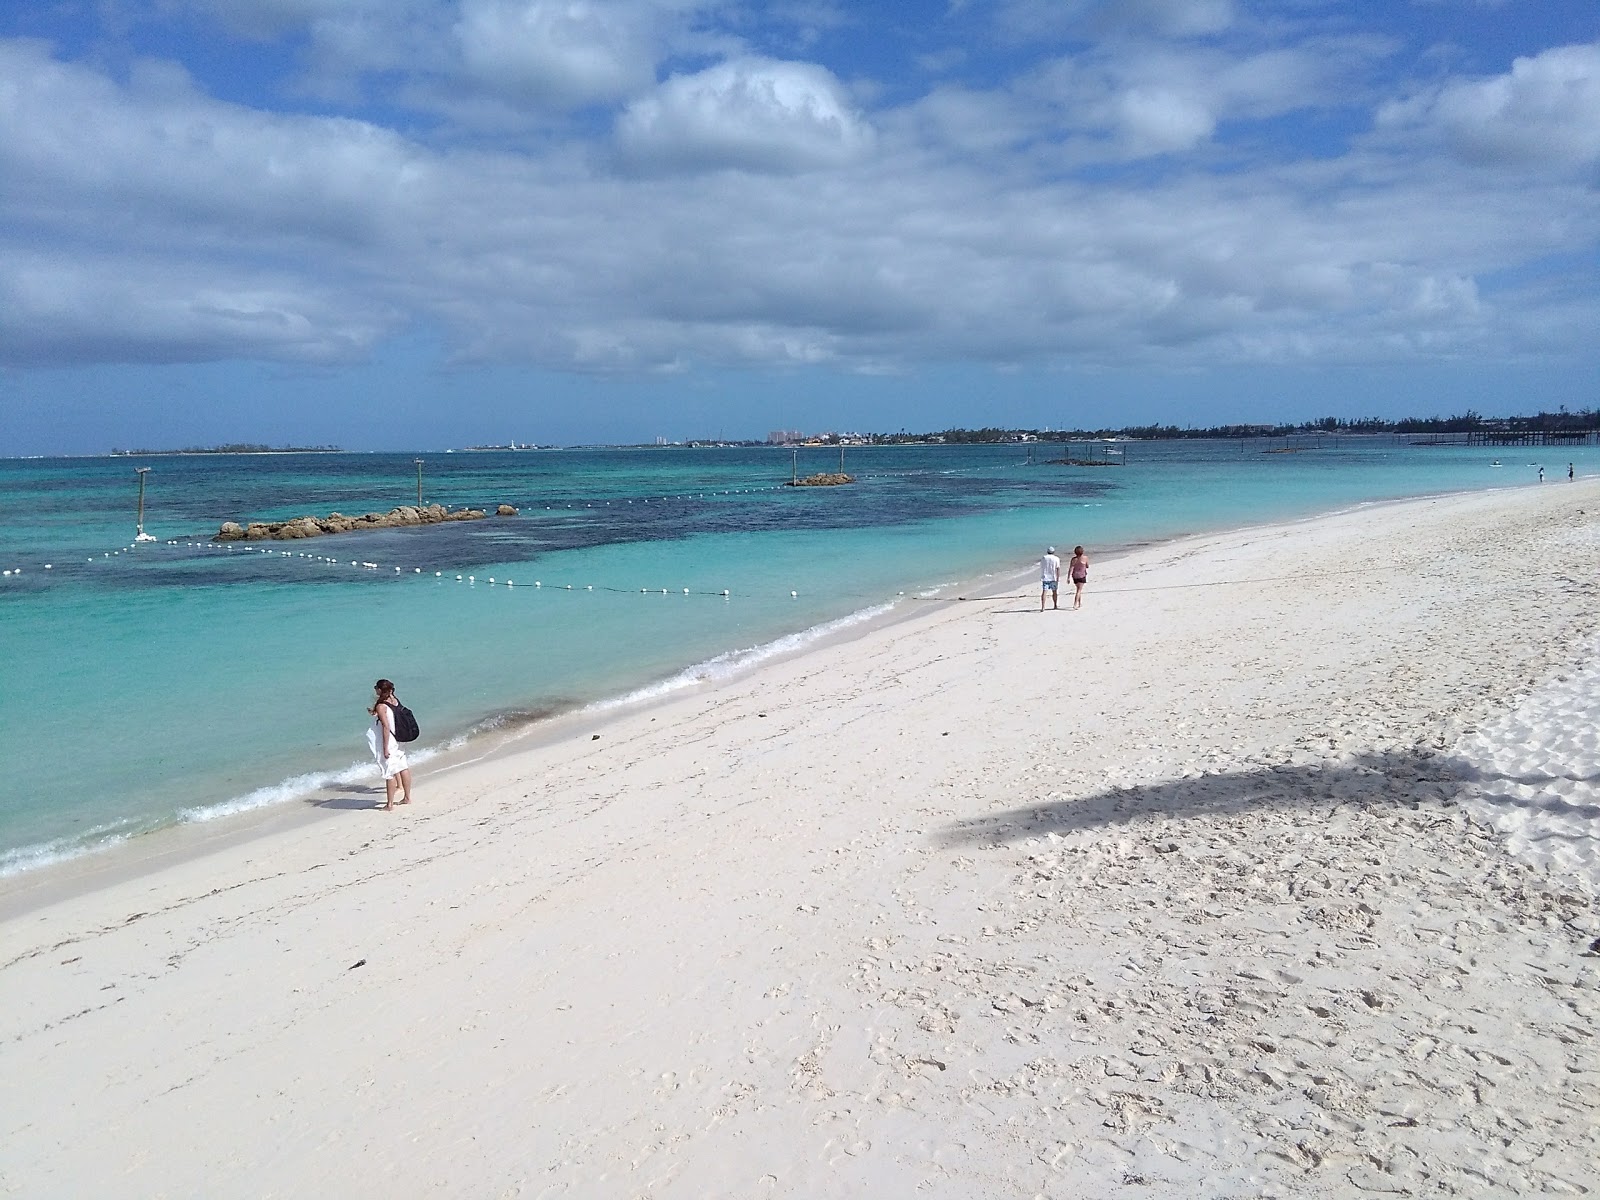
x=146, y=685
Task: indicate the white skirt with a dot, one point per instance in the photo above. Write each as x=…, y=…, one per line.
x=394, y=763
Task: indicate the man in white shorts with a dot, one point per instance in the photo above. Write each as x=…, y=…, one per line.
x=1049, y=578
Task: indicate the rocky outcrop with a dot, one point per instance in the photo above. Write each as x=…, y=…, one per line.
x=823, y=480
x=304, y=527
x=505, y=510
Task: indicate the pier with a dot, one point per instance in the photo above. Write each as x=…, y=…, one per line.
x=1532, y=437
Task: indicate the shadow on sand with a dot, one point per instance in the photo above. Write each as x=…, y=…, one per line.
x=350, y=796
x=1409, y=779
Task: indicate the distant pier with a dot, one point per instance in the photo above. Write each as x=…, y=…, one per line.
x=1533, y=437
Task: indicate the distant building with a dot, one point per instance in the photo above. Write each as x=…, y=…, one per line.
x=785, y=437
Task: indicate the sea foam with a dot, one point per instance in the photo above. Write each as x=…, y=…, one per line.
x=733, y=662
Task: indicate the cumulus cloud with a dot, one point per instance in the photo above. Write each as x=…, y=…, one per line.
x=1545, y=110
x=157, y=156
x=537, y=56
x=754, y=114
x=143, y=219
x=1155, y=120
x=132, y=308
x=566, y=53
x=148, y=222
x=1147, y=100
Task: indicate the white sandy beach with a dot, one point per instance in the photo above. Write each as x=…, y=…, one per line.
x=1176, y=896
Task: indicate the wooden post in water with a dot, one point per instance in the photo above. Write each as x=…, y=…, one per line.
x=794, y=466
x=419, y=483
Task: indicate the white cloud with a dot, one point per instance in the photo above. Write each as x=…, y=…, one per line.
x=1155, y=120
x=1135, y=101
x=1545, y=110
x=138, y=308
x=969, y=122
x=1166, y=18
x=566, y=53
x=158, y=158
x=753, y=114
x=148, y=221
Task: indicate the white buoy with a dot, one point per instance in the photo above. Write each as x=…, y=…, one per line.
x=48, y=566
x=472, y=579
x=438, y=574
x=724, y=591
x=685, y=591
x=458, y=579
x=538, y=583
x=509, y=583
x=416, y=570
x=491, y=579
x=588, y=587
x=663, y=591
x=794, y=593
x=569, y=587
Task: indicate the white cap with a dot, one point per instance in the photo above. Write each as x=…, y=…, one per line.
x=1049, y=549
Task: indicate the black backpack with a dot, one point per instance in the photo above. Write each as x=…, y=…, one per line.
x=405, y=724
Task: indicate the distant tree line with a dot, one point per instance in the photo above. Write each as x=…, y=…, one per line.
x=1467, y=422
x=236, y=448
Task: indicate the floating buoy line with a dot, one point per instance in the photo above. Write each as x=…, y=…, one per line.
x=389, y=570
x=496, y=581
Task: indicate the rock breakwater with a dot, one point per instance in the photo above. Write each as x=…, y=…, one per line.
x=305, y=527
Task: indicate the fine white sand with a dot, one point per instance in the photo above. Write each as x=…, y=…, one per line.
x=1184, y=894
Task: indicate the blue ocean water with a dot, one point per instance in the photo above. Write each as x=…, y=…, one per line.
x=146, y=685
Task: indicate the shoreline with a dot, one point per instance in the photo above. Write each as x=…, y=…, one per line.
x=1175, y=889
x=492, y=737
x=497, y=735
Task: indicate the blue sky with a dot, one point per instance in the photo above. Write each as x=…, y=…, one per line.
x=418, y=223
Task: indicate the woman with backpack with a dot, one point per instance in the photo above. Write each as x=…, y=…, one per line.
x=386, y=747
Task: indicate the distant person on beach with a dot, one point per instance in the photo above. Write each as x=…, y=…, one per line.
x=1079, y=569
x=1569, y=472
x=391, y=757
x=1049, y=578
x=1541, y=474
